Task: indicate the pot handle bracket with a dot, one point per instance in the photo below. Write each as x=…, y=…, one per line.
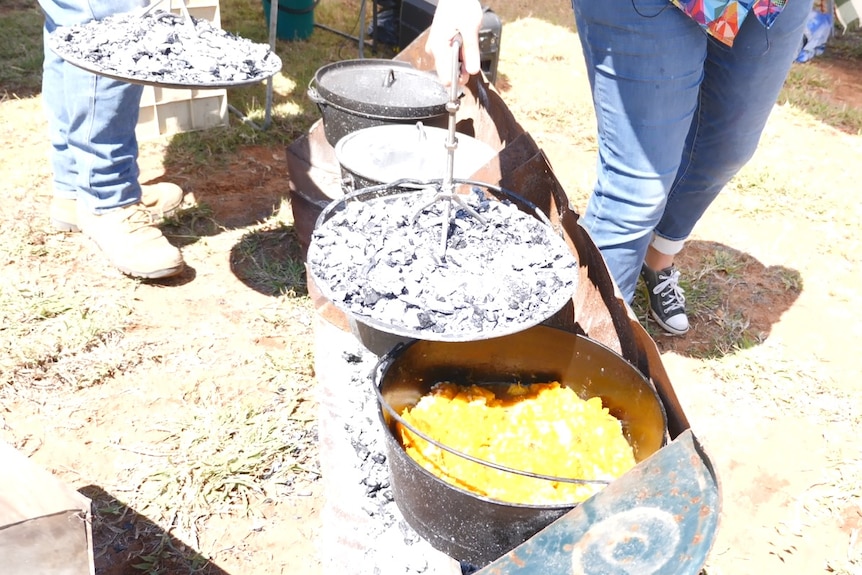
x=313, y=94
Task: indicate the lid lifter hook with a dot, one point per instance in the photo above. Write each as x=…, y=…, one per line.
x=447, y=188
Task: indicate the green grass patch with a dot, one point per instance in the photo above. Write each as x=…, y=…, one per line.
x=190, y=224
x=725, y=262
x=760, y=190
x=60, y=336
x=706, y=283
x=846, y=44
x=21, y=51
x=270, y=261
x=808, y=88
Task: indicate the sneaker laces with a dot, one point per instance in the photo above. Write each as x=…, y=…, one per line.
x=672, y=294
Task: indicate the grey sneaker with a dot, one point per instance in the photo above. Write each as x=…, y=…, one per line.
x=666, y=299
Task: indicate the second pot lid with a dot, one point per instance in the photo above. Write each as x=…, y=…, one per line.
x=392, y=152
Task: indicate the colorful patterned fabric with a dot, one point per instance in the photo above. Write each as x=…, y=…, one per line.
x=723, y=18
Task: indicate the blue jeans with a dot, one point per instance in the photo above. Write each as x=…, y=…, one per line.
x=678, y=115
x=91, y=118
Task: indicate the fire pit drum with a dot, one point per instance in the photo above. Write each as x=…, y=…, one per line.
x=476, y=529
x=390, y=152
x=356, y=94
x=376, y=255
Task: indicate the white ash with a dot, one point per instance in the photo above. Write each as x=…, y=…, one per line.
x=381, y=262
x=164, y=48
x=363, y=530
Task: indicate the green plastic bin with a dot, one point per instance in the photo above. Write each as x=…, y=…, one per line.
x=295, y=18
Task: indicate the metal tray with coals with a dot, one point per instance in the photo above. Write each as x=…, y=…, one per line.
x=164, y=49
x=377, y=254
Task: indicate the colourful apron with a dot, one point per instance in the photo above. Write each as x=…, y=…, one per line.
x=723, y=18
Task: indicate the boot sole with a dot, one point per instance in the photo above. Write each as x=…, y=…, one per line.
x=65, y=226
x=154, y=275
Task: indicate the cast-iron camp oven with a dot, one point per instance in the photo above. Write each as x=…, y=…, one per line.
x=356, y=94
x=393, y=275
x=477, y=529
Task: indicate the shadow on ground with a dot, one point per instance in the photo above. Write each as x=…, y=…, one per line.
x=732, y=300
x=270, y=261
x=128, y=543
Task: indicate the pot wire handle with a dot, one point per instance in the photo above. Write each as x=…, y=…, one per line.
x=420, y=128
x=389, y=79
x=313, y=94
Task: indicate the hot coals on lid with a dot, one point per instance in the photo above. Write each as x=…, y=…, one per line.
x=380, y=261
x=162, y=48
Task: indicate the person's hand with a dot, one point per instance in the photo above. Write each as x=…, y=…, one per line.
x=451, y=18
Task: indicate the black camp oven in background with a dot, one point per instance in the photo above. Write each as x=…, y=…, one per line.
x=416, y=16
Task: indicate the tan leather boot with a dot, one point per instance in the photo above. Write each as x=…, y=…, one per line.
x=132, y=242
x=161, y=201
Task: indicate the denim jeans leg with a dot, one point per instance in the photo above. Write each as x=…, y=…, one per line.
x=91, y=118
x=62, y=158
x=645, y=63
x=739, y=90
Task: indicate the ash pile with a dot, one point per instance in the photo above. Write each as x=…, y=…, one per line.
x=163, y=48
x=363, y=530
x=381, y=260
